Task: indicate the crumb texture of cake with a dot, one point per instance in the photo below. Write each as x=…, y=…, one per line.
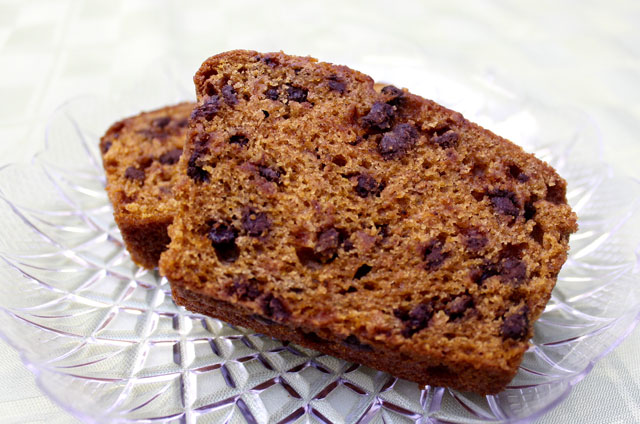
x=376, y=226
x=140, y=156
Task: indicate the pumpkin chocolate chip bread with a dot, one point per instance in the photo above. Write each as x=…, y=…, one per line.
x=379, y=227
x=140, y=156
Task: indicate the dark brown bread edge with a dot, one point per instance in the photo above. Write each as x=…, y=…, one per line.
x=460, y=377
x=144, y=239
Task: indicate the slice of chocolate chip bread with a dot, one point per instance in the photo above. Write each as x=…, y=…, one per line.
x=379, y=227
x=140, y=156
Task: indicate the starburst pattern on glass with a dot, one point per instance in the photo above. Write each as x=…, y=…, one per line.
x=106, y=342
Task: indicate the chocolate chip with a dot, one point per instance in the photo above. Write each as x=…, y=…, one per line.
x=240, y=139
x=457, y=307
x=246, y=290
x=222, y=234
x=474, y=239
x=379, y=117
x=134, y=173
x=272, y=93
x=297, y=94
x=338, y=86
x=392, y=91
x=446, y=140
x=362, y=271
x=207, y=110
x=223, y=239
x=269, y=174
x=393, y=94
x=513, y=271
x=229, y=95
x=196, y=172
x=395, y=144
x=151, y=133
x=265, y=113
x=270, y=61
x=416, y=319
x=161, y=122
x=105, y=146
x=194, y=166
x=355, y=343
x=327, y=245
x=274, y=307
x=255, y=223
x=516, y=325
x=433, y=254
x=335, y=84
x=505, y=202
x=367, y=185
x=182, y=123
x=483, y=272
x=171, y=157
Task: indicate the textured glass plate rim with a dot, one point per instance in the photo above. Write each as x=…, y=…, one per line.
x=571, y=383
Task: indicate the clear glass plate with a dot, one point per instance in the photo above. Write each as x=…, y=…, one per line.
x=106, y=342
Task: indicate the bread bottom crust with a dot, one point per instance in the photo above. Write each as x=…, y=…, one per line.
x=424, y=371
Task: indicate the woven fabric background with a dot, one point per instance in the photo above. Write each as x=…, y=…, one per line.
x=584, y=55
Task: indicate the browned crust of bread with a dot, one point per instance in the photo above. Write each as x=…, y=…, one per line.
x=145, y=239
x=421, y=370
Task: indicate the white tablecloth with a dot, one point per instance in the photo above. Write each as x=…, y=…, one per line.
x=579, y=54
